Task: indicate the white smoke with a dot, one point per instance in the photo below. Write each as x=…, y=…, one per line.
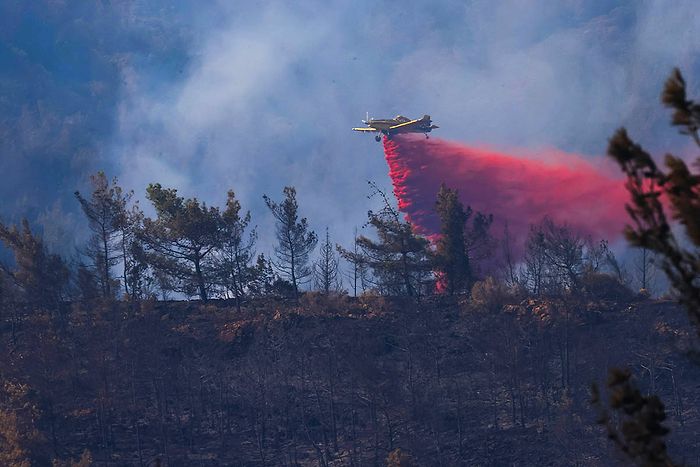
x=271, y=92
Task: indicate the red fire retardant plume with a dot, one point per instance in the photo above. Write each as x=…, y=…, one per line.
x=521, y=190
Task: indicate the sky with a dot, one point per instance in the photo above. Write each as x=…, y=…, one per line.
x=252, y=96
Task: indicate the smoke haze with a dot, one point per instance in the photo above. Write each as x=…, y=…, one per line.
x=253, y=96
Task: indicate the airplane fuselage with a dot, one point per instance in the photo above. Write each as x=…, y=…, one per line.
x=398, y=125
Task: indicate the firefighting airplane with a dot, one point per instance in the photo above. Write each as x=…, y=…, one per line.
x=397, y=125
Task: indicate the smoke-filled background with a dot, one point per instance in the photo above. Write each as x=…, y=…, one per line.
x=206, y=96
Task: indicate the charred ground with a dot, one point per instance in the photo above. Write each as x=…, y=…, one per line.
x=491, y=380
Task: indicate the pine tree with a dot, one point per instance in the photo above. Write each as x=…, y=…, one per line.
x=643, y=265
x=357, y=275
x=647, y=183
x=41, y=276
x=399, y=259
x=326, y=277
x=295, y=240
x=234, y=259
x=180, y=241
x=129, y=223
x=509, y=260
x=138, y=274
x=554, y=258
x=535, y=262
x=480, y=243
x=263, y=277
x=106, y=214
x=564, y=250
x=640, y=434
x=451, y=257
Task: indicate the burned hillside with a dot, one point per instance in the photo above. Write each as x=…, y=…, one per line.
x=337, y=380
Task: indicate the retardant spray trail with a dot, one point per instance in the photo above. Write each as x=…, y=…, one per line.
x=519, y=190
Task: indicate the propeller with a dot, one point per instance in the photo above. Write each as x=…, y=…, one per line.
x=366, y=122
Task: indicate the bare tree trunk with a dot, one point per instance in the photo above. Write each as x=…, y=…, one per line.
x=105, y=248
x=124, y=256
x=200, y=278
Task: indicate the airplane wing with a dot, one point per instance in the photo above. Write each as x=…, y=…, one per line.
x=374, y=130
x=403, y=125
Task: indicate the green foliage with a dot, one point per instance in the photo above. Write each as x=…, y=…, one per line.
x=180, y=241
x=464, y=243
x=295, y=239
x=686, y=112
x=138, y=274
x=234, y=258
x=263, y=278
x=41, y=276
x=399, y=259
x=640, y=434
x=677, y=187
x=451, y=256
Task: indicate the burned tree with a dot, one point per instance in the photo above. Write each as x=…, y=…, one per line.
x=643, y=269
x=295, y=239
x=555, y=258
x=326, y=268
x=564, y=252
x=357, y=275
x=535, y=262
x=107, y=218
x=235, y=257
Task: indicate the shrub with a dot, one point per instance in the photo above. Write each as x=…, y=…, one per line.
x=399, y=458
x=490, y=294
x=599, y=286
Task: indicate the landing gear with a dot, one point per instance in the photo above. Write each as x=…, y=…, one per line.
x=377, y=138
x=426, y=136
